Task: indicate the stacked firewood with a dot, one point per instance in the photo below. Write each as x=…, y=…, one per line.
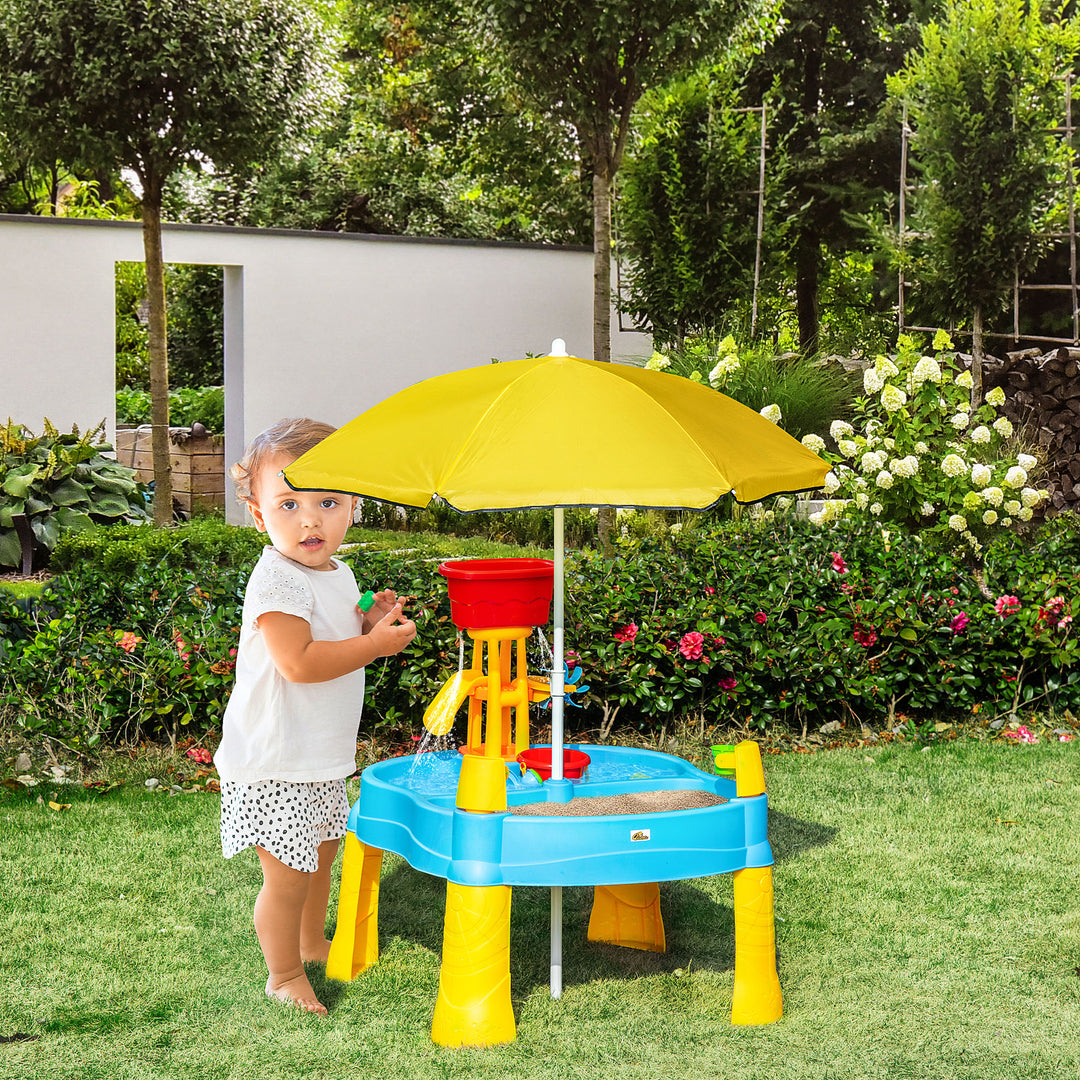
x=1042, y=399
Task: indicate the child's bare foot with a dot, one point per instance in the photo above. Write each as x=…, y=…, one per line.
x=296, y=992
x=318, y=954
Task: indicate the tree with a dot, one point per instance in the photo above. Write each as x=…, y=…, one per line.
x=589, y=61
x=982, y=92
x=154, y=87
x=688, y=205
x=827, y=68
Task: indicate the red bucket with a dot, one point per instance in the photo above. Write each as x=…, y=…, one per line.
x=486, y=593
x=574, y=762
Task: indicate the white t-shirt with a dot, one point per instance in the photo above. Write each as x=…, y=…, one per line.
x=279, y=730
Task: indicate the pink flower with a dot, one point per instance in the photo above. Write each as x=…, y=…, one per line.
x=691, y=645
x=127, y=641
x=838, y=563
x=627, y=633
x=1066, y=738
x=709, y=590
x=959, y=621
x=1022, y=734
x=761, y=618
x=865, y=637
x=728, y=682
x=1005, y=606
x=200, y=755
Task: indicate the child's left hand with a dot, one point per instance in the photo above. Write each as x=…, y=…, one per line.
x=384, y=603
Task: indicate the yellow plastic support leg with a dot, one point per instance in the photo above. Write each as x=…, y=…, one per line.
x=356, y=939
x=473, y=1007
x=628, y=915
x=757, y=998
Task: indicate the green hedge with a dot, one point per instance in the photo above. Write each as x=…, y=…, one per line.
x=758, y=623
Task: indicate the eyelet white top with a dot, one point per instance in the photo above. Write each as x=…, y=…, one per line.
x=279, y=730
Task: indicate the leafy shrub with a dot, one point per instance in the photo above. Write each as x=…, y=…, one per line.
x=187, y=406
x=920, y=457
x=810, y=394
x=63, y=483
x=755, y=623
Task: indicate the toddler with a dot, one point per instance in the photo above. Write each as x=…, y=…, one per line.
x=289, y=732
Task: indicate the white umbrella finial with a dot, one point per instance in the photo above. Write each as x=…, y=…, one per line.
x=558, y=348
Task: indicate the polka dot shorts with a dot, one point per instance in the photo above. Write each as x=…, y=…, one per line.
x=290, y=820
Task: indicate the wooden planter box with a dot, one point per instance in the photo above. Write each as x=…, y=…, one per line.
x=197, y=465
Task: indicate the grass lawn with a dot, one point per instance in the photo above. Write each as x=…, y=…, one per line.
x=928, y=926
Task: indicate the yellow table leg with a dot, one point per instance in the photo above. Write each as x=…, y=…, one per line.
x=628, y=915
x=356, y=939
x=757, y=997
x=473, y=1007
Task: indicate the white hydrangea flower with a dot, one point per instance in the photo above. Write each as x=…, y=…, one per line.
x=981, y=434
x=958, y=522
x=1025, y=513
x=841, y=429
x=862, y=500
x=724, y=367
x=876, y=509
x=964, y=380
x=993, y=495
x=772, y=413
x=658, y=362
x=926, y=370
x=884, y=479
x=989, y=517
x=960, y=420
x=921, y=448
x=872, y=461
x=1012, y=506
x=885, y=367
x=1007, y=521
x=783, y=502
x=1026, y=461
x=905, y=466
x=889, y=444
x=1030, y=496
x=814, y=443
x=848, y=448
x=872, y=426
x=996, y=396
x=817, y=518
x=953, y=465
x=973, y=543
x=675, y=527
x=859, y=483
x=1003, y=426
x=1016, y=477
x=872, y=381
x=927, y=509
x=980, y=475
x=831, y=484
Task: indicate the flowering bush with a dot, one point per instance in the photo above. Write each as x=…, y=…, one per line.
x=917, y=456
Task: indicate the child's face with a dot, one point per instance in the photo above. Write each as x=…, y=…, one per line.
x=306, y=526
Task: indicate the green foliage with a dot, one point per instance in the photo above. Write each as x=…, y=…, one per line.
x=982, y=94
x=188, y=405
x=759, y=622
x=809, y=394
x=63, y=483
x=688, y=206
x=921, y=459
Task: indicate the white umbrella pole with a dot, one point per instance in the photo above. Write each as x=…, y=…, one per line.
x=558, y=684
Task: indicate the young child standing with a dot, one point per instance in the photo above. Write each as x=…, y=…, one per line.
x=289, y=732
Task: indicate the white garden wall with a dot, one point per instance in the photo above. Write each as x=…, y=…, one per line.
x=318, y=324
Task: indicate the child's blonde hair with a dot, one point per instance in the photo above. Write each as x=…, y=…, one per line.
x=294, y=435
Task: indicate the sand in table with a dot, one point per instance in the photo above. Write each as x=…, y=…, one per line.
x=641, y=802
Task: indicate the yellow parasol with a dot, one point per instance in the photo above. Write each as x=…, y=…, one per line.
x=559, y=431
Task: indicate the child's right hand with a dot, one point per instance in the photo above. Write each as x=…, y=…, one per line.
x=391, y=633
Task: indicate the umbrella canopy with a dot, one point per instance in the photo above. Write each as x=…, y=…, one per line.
x=559, y=431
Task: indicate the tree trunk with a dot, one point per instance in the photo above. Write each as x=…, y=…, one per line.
x=605, y=519
x=601, y=267
x=807, y=259
x=977, y=358
x=159, y=358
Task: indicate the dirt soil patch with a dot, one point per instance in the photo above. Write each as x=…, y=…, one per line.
x=642, y=802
